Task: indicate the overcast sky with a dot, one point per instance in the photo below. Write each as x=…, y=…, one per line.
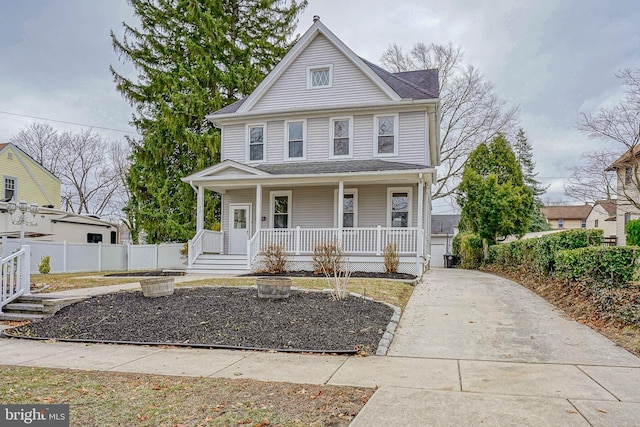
x=552, y=58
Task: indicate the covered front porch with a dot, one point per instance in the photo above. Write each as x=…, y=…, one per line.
x=361, y=211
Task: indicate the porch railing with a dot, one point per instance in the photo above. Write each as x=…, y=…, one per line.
x=353, y=240
x=204, y=241
x=15, y=277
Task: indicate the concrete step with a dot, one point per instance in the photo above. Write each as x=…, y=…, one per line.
x=18, y=317
x=222, y=256
x=222, y=263
x=224, y=271
x=23, y=307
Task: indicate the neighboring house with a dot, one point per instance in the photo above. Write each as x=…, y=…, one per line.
x=566, y=217
x=25, y=179
x=443, y=229
x=328, y=148
x=603, y=216
x=53, y=225
x=627, y=189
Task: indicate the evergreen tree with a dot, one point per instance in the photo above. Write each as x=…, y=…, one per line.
x=193, y=57
x=493, y=197
x=524, y=155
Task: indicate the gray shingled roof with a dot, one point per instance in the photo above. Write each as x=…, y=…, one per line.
x=420, y=84
x=444, y=224
x=336, y=167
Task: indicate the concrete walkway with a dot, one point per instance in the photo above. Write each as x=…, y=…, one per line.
x=471, y=349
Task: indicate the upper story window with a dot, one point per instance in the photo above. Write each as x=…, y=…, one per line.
x=320, y=76
x=386, y=135
x=628, y=175
x=596, y=223
x=9, y=188
x=295, y=143
x=256, y=142
x=341, y=132
x=627, y=218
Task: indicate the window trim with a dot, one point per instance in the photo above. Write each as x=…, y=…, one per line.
x=332, y=137
x=248, y=142
x=560, y=223
x=627, y=218
x=272, y=205
x=312, y=68
x=15, y=186
x=390, y=191
x=286, y=140
x=583, y=223
x=628, y=176
x=395, y=135
x=354, y=192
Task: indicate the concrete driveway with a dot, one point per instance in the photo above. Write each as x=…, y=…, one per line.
x=503, y=357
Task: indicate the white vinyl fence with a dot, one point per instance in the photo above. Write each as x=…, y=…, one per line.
x=78, y=257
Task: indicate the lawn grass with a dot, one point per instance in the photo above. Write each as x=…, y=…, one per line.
x=68, y=281
x=101, y=399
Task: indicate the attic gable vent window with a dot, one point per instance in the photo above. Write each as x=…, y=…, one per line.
x=319, y=77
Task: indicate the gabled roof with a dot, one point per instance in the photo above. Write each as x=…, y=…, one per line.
x=444, y=224
x=607, y=205
x=566, y=212
x=625, y=159
x=421, y=84
x=223, y=166
x=7, y=145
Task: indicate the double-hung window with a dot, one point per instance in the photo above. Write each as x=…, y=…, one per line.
x=256, y=142
x=386, y=135
x=10, y=188
x=281, y=209
x=399, y=203
x=341, y=134
x=295, y=143
x=628, y=175
x=349, y=208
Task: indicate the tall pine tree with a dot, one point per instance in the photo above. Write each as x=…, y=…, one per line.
x=524, y=155
x=192, y=57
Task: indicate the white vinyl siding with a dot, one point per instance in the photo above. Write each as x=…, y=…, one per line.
x=349, y=84
x=412, y=140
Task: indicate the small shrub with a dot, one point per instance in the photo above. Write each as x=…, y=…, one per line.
x=274, y=259
x=184, y=251
x=391, y=259
x=632, y=231
x=45, y=265
x=328, y=258
x=547, y=246
x=470, y=250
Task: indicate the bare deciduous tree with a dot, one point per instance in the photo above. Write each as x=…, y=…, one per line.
x=589, y=181
x=620, y=125
x=90, y=168
x=470, y=112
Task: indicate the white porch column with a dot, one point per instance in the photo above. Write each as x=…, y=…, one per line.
x=340, y=210
x=200, y=210
x=420, y=225
x=258, y=207
x=427, y=224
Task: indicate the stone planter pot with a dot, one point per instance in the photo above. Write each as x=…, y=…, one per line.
x=273, y=287
x=157, y=287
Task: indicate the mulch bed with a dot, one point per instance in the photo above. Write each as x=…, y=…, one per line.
x=221, y=316
x=355, y=274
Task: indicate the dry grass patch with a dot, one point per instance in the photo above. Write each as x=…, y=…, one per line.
x=67, y=281
x=101, y=399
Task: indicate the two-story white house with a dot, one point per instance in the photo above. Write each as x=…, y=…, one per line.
x=328, y=148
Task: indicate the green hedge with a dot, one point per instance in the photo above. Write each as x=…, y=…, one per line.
x=609, y=267
x=468, y=247
x=632, y=230
x=538, y=254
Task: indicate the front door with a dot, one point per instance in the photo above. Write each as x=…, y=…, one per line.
x=239, y=216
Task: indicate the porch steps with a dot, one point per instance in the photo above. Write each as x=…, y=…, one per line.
x=220, y=264
x=35, y=307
